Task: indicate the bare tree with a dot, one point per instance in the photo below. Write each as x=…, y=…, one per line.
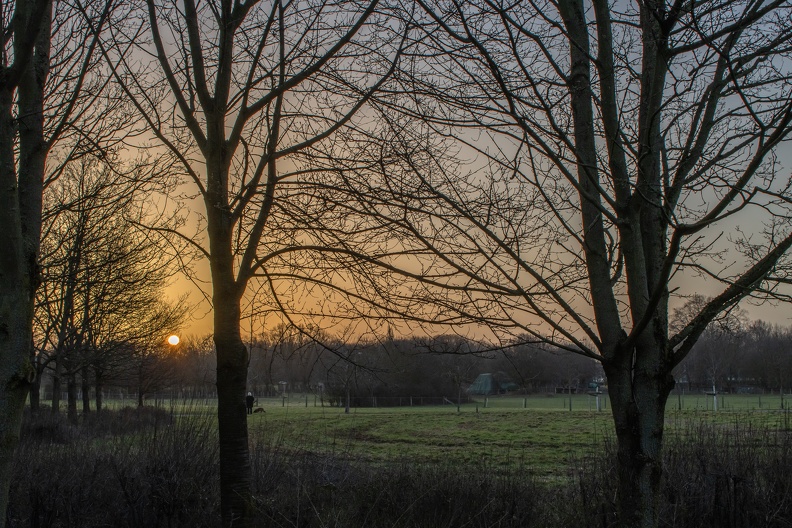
x=713, y=360
x=298, y=351
x=152, y=364
x=19, y=214
x=566, y=171
x=768, y=360
x=101, y=274
x=46, y=60
x=196, y=366
x=240, y=93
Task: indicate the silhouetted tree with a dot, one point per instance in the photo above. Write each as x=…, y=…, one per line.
x=565, y=168
x=103, y=275
x=240, y=93
x=45, y=65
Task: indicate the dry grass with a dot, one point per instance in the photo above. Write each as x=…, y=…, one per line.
x=149, y=468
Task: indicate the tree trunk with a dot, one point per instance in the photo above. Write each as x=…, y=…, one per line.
x=71, y=397
x=17, y=270
x=235, y=471
x=638, y=402
x=232, y=356
x=35, y=387
x=56, y=386
x=16, y=313
x=86, y=392
x=99, y=386
x=15, y=376
x=35, y=395
x=21, y=184
x=140, y=384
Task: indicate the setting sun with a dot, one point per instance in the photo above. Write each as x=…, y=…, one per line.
x=173, y=340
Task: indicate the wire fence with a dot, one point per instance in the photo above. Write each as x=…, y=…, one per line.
x=699, y=402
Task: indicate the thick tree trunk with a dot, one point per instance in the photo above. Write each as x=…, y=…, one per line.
x=16, y=372
x=638, y=402
x=15, y=376
x=17, y=272
x=232, y=356
x=235, y=471
x=21, y=184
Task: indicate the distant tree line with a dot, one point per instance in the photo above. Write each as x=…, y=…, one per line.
x=734, y=357
x=754, y=359
x=285, y=360
x=397, y=371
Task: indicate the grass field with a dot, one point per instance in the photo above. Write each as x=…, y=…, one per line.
x=538, y=433
x=509, y=462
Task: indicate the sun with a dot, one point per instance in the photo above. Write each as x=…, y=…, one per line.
x=173, y=340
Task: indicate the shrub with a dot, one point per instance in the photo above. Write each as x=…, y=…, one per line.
x=161, y=473
x=164, y=473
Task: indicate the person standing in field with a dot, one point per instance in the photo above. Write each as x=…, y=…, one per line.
x=249, y=399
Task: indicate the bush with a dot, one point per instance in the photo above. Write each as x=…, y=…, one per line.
x=161, y=473
x=165, y=473
x=324, y=492
x=719, y=476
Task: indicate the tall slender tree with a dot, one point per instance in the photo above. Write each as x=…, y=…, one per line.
x=46, y=63
x=240, y=93
x=102, y=272
x=23, y=69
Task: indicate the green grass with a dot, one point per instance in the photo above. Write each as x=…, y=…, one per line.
x=538, y=433
x=480, y=460
x=540, y=440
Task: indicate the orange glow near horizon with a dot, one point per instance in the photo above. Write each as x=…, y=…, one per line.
x=173, y=340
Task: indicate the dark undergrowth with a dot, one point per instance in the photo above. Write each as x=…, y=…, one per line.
x=162, y=472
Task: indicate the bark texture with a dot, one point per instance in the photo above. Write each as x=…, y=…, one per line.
x=235, y=470
x=232, y=362
x=638, y=402
x=20, y=217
